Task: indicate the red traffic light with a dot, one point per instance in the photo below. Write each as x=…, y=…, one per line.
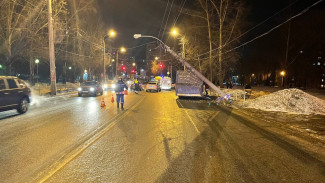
x=133, y=71
x=123, y=68
x=161, y=65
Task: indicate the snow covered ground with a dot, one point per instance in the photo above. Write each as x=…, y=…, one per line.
x=288, y=100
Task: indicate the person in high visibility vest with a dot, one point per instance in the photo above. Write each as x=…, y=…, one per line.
x=119, y=90
x=136, y=86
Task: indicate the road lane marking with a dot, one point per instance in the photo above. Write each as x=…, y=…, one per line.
x=99, y=132
x=197, y=130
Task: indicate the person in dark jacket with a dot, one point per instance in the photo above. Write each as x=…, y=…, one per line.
x=119, y=90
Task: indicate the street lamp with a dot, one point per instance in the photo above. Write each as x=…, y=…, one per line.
x=111, y=34
x=122, y=50
x=282, y=73
x=175, y=33
x=133, y=64
x=156, y=58
x=37, y=62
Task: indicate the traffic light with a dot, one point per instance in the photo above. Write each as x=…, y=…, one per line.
x=161, y=65
x=133, y=71
x=123, y=68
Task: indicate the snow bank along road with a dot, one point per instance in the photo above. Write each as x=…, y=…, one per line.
x=157, y=139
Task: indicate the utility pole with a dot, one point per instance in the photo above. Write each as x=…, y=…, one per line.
x=183, y=49
x=104, y=71
x=51, y=48
x=116, y=64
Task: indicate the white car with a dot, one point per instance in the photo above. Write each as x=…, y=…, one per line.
x=153, y=86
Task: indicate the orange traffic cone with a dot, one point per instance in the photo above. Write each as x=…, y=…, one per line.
x=112, y=100
x=102, y=104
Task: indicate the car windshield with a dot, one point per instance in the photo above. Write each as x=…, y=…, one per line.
x=90, y=83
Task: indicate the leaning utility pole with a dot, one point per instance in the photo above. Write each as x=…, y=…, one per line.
x=51, y=48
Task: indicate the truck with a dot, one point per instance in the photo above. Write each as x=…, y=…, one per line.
x=188, y=84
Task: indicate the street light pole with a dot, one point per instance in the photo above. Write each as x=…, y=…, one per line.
x=189, y=67
x=37, y=62
x=104, y=70
x=116, y=67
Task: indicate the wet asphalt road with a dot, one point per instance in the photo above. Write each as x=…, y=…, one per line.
x=158, y=138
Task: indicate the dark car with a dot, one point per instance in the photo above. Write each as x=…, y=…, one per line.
x=14, y=94
x=92, y=88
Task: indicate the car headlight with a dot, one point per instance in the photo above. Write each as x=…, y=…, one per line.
x=79, y=89
x=92, y=89
x=113, y=85
x=104, y=86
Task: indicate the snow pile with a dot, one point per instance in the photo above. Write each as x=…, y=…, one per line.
x=289, y=100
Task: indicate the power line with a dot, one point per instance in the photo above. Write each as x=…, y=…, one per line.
x=162, y=36
x=266, y=33
x=182, y=5
x=162, y=22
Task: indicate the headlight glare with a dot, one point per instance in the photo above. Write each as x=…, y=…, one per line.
x=113, y=85
x=92, y=89
x=79, y=89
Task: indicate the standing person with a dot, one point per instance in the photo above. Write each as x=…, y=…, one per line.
x=206, y=89
x=136, y=86
x=119, y=90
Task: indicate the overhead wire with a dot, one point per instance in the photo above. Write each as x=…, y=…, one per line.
x=162, y=22
x=171, y=7
x=268, y=32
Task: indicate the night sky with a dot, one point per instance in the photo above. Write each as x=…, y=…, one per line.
x=145, y=16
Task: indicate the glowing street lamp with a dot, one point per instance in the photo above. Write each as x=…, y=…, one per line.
x=112, y=33
x=133, y=64
x=37, y=62
x=156, y=58
x=282, y=73
x=175, y=33
x=122, y=50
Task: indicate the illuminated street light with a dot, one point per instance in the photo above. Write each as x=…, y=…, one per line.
x=70, y=68
x=37, y=62
x=113, y=60
x=156, y=58
x=112, y=33
x=174, y=32
x=282, y=73
x=122, y=50
x=133, y=64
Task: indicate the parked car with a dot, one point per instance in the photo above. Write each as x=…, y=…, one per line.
x=109, y=85
x=92, y=88
x=153, y=86
x=14, y=94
